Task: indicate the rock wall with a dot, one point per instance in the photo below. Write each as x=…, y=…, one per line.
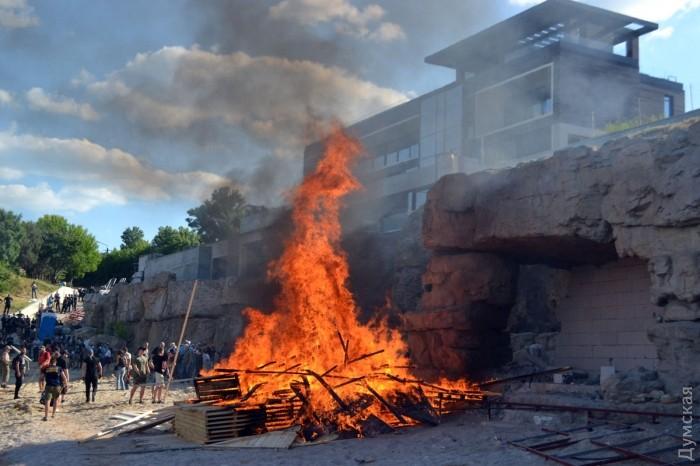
x=636, y=196
x=463, y=313
x=154, y=310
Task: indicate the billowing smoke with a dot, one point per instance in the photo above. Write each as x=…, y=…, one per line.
x=266, y=77
x=280, y=69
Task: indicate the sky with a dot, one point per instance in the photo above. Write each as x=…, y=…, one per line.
x=126, y=113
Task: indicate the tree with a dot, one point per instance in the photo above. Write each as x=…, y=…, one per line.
x=83, y=251
x=11, y=233
x=30, y=248
x=118, y=263
x=220, y=216
x=133, y=238
x=169, y=240
x=67, y=251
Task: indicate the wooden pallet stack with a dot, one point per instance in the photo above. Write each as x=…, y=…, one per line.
x=208, y=424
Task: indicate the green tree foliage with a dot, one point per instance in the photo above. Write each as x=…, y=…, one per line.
x=623, y=125
x=169, y=240
x=29, y=250
x=133, y=238
x=11, y=235
x=220, y=216
x=8, y=279
x=67, y=251
x=118, y=263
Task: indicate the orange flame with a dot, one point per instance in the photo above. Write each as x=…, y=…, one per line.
x=315, y=323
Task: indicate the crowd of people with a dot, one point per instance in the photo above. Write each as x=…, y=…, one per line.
x=21, y=347
x=132, y=372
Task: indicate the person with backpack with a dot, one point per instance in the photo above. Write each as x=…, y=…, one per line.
x=55, y=379
x=92, y=371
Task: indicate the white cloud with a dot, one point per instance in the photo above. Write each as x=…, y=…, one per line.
x=109, y=175
x=42, y=198
x=273, y=99
x=347, y=18
x=10, y=173
x=650, y=10
x=17, y=14
x=40, y=100
x=83, y=78
x=5, y=97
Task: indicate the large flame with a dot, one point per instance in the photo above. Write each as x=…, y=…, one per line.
x=315, y=326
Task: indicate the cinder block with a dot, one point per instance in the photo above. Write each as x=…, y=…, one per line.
x=633, y=338
x=608, y=338
x=609, y=351
x=579, y=351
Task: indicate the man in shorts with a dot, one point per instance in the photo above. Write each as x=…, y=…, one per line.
x=43, y=360
x=54, y=380
x=139, y=374
x=159, y=363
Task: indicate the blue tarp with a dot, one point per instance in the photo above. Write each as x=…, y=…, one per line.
x=47, y=326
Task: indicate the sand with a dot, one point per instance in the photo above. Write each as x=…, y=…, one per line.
x=25, y=439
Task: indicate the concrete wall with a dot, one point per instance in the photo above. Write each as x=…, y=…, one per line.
x=605, y=316
x=190, y=264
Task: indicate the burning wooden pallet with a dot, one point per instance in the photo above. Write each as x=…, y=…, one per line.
x=209, y=424
x=218, y=387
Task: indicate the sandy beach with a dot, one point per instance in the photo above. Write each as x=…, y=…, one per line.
x=27, y=440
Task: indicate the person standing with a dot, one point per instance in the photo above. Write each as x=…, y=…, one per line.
x=8, y=304
x=57, y=301
x=35, y=287
x=127, y=366
x=5, y=366
x=119, y=370
x=63, y=364
x=92, y=371
x=19, y=366
x=43, y=361
x=139, y=373
x=55, y=379
x=160, y=364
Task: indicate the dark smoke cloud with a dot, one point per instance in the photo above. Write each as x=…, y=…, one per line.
x=427, y=26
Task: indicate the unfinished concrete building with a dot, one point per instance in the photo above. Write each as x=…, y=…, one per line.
x=555, y=74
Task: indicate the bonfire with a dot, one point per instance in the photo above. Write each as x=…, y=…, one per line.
x=311, y=354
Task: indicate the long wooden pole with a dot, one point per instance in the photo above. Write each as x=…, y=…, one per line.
x=179, y=342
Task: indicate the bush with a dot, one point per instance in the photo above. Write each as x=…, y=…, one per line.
x=120, y=330
x=9, y=281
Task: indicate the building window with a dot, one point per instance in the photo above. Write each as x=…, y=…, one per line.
x=668, y=106
x=416, y=199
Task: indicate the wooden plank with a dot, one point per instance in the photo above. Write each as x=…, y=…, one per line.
x=116, y=427
x=278, y=439
x=153, y=423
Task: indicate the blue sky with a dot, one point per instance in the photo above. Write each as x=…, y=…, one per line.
x=128, y=113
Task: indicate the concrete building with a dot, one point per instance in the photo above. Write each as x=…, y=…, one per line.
x=548, y=77
x=246, y=255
